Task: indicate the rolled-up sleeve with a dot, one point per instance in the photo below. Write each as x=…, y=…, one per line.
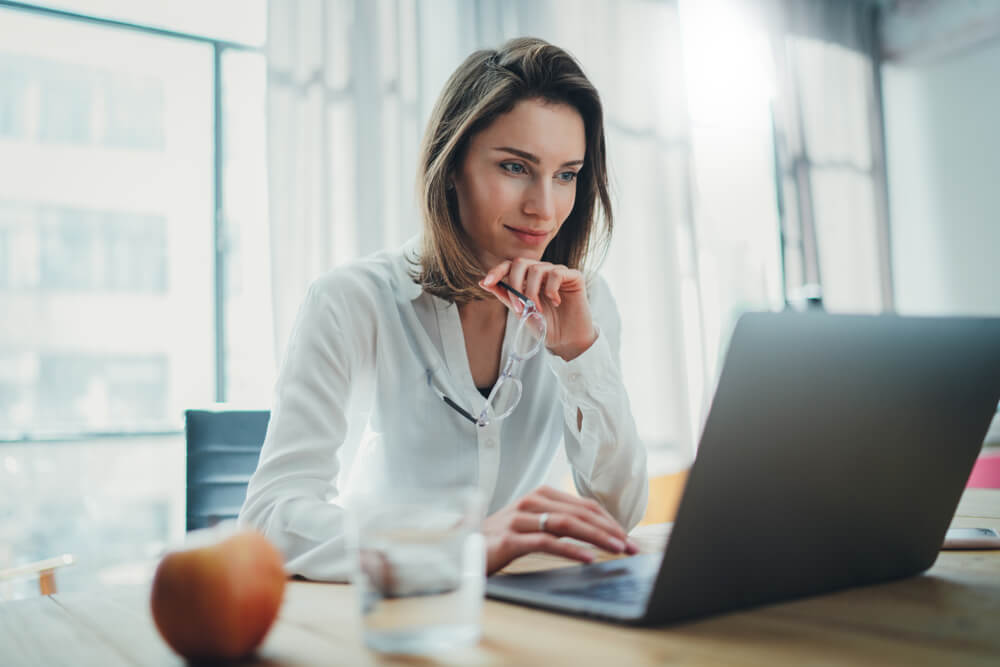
x=607, y=458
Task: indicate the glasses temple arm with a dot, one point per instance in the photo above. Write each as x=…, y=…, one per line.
x=450, y=403
x=515, y=293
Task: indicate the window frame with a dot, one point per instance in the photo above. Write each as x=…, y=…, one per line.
x=794, y=171
x=219, y=48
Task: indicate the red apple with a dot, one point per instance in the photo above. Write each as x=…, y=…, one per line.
x=218, y=601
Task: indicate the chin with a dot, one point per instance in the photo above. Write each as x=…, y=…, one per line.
x=525, y=253
x=505, y=250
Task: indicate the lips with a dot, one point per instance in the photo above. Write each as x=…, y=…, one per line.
x=529, y=236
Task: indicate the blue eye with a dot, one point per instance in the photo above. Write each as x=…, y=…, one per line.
x=512, y=167
x=567, y=176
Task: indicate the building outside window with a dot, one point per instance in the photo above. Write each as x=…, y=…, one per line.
x=133, y=266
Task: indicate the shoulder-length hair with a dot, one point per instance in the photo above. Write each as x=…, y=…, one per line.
x=488, y=84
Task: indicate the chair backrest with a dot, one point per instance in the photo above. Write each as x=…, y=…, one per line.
x=223, y=447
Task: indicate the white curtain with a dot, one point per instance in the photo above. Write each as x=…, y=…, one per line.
x=632, y=53
x=788, y=179
x=343, y=131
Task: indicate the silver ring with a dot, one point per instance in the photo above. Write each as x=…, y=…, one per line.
x=542, y=519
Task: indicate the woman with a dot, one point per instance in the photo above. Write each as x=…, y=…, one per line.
x=512, y=174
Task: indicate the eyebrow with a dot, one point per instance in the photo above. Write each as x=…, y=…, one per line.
x=533, y=158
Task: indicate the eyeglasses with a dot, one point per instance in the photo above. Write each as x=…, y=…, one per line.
x=506, y=393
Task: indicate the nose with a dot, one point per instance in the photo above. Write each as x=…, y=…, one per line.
x=540, y=200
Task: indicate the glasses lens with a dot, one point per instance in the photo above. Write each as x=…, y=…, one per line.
x=505, y=397
x=530, y=336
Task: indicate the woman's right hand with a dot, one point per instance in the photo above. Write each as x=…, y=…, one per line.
x=516, y=530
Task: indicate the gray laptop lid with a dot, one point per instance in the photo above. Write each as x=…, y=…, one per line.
x=834, y=455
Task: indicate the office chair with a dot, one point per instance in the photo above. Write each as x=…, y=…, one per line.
x=223, y=447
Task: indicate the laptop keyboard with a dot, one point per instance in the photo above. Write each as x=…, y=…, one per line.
x=627, y=590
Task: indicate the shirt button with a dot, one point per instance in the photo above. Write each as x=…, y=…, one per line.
x=575, y=378
x=491, y=443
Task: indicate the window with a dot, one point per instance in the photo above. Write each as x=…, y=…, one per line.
x=134, y=280
x=240, y=21
x=834, y=84
x=246, y=293
x=13, y=92
x=107, y=226
x=730, y=83
x=106, y=205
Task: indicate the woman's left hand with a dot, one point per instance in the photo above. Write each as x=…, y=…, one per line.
x=558, y=292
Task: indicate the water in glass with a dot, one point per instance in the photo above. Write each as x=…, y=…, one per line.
x=420, y=569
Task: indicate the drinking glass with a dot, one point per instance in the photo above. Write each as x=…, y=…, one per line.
x=420, y=568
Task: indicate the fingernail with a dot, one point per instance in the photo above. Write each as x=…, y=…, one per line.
x=617, y=545
x=632, y=546
x=489, y=280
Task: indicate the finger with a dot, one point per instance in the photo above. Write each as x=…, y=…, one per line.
x=500, y=293
x=608, y=525
x=553, y=281
x=597, y=519
x=490, y=283
x=578, y=507
x=517, y=271
x=534, y=277
x=546, y=498
x=587, y=504
x=496, y=274
x=567, y=525
x=572, y=279
x=525, y=543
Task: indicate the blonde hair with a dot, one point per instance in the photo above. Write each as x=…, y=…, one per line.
x=487, y=85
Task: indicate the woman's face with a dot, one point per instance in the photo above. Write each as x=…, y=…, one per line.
x=517, y=183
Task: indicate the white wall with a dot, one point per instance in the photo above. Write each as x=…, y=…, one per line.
x=942, y=124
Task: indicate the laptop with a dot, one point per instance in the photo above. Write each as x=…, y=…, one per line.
x=834, y=455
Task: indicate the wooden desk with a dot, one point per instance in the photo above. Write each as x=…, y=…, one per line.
x=949, y=616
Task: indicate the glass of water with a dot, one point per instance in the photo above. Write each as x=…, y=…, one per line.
x=420, y=568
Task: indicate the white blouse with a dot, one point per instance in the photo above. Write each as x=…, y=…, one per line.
x=367, y=323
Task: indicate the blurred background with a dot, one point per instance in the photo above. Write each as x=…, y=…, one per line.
x=174, y=174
